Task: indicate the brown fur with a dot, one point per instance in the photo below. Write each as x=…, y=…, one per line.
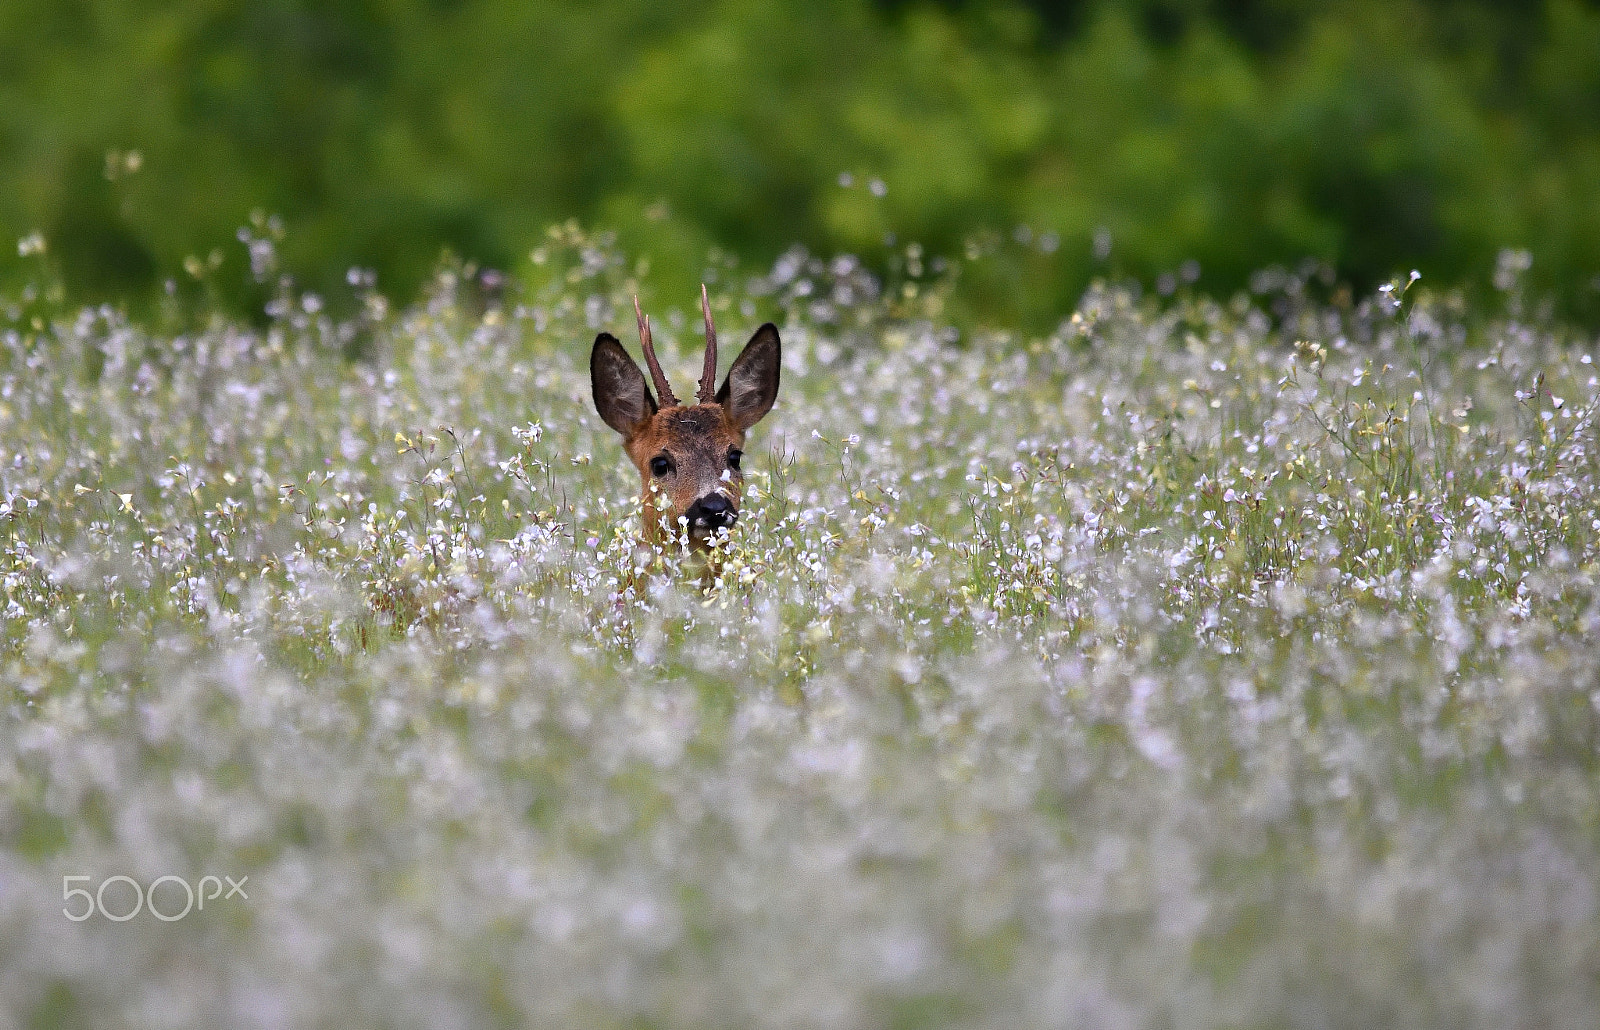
x=696, y=440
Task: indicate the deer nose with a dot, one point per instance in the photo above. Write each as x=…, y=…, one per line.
x=712, y=511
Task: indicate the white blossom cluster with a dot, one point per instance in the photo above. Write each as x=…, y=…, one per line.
x=1202, y=663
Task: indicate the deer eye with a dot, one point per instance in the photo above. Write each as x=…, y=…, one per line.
x=660, y=465
x=733, y=458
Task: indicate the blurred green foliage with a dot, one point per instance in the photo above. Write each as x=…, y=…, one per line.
x=1040, y=144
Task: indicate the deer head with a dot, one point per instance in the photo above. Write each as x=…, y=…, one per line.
x=687, y=454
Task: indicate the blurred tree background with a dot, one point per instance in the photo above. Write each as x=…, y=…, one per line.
x=1041, y=144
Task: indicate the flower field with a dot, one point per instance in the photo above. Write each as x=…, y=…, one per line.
x=1207, y=663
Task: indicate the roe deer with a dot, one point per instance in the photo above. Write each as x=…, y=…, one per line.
x=687, y=454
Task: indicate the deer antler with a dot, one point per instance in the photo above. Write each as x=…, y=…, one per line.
x=663, y=388
x=708, y=378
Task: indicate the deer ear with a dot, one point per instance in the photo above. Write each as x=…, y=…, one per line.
x=752, y=384
x=620, y=394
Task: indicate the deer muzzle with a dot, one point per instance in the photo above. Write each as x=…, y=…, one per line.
x=711, y=513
